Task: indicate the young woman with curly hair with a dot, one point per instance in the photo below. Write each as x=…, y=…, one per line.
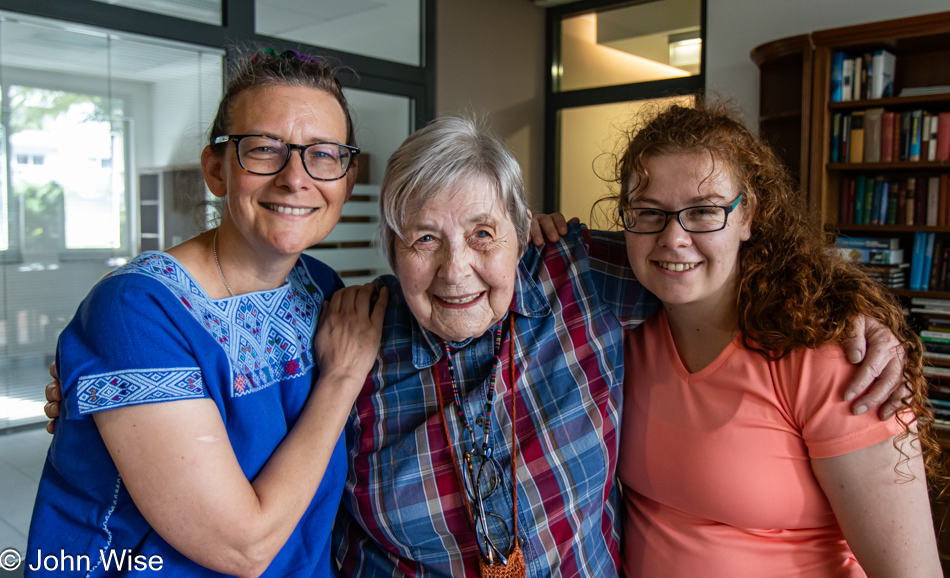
x=739, y=455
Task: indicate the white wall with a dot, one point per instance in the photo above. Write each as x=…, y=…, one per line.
x=735, y=27
x=490, y=61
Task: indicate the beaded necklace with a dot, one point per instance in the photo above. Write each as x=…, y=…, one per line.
x=496, y=363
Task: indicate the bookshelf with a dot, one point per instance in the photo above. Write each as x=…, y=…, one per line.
x=785, y=95
x=797, y=114
x=798, y=71
x=921, y=47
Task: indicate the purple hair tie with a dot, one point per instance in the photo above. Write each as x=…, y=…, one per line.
x=285, y=55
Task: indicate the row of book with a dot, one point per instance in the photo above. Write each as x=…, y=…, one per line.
x=920, y=200
x=929, y=262
x=878, y=135
x=868, y=75
x=932, y=318
x=881, y=258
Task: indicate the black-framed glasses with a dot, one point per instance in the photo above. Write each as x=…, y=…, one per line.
x=482, y=477
x=261, y=154
x=704, y=219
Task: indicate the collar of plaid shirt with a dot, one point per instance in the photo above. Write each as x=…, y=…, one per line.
x=403, y=512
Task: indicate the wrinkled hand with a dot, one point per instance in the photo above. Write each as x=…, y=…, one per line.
x=54, y=395
x=880, y=378
x=548, y=227
x=348, y=336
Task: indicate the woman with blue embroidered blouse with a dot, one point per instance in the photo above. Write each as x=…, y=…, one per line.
x=201, y=420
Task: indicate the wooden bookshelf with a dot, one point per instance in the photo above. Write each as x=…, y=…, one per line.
x=802, y=65
x=785, y=99
x=796, y=111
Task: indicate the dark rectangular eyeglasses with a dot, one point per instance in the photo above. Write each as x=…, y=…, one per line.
x=267, y=155
x=704, y=219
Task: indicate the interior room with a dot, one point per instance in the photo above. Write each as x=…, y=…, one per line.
x=106, y=107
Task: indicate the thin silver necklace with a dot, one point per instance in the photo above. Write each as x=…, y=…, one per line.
x=214, y=250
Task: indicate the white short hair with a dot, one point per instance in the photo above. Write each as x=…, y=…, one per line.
x=437, y=159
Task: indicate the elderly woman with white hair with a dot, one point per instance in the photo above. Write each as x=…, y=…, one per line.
x=484, y=441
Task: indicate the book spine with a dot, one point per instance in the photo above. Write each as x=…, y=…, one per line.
x=882, y=74
x=896, y=151
x=942, y=195
x=916, y=126
x=891, y=205
x=837, y=67
x=932, y=149
x=901, y=203
x=844, y=187
x=878, y=197
x=845, y=153
x=857, y=85
x=905, y=136
x=928, y=260
x=885, y=201
x=847, y=79
x=888, y=243
x=917, y=260
x=942, y=280
x=870, y=192
x=944, y=187
x=858, y=200
x=933, y=201
x=856, y=138
x=943, y=137
x=924, y=135
x=887, y=137
x=935, y=265
x=872, y=135
x=835, y=138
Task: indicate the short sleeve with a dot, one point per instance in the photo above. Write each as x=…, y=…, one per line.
x=614, y=280
x=131, y=342
x=815, y=381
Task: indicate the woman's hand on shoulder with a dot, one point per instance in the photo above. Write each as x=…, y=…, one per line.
x=54, y=396
x=880, y=376
x=350, y=330
x=549, y=227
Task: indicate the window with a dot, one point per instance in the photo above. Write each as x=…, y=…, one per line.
x=605, y=62
x=85, y=111
x=70, y=202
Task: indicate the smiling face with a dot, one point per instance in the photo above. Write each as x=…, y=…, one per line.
x=457, y=261
x=280, y=214
x=695, y=270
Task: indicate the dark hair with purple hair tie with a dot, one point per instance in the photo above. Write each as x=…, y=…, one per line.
x=267, y=67
x=287, y=54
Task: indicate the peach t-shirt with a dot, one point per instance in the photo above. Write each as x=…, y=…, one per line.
x=715, y=465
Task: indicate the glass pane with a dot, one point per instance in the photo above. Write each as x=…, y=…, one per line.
x=591, y=136
x=653, y=41
x=84, y=113
x=208, y=11
x=387, y=29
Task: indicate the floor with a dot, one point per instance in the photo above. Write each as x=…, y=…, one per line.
x=22, y=455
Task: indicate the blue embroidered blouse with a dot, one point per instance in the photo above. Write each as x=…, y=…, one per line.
x=148, y=333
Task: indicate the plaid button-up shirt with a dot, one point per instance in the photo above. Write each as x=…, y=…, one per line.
x=403, y=512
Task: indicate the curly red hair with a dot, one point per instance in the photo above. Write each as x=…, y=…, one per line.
x=792, y=290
